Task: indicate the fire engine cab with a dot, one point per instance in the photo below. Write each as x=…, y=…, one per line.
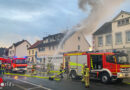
x=106, y=66
x=17, y=65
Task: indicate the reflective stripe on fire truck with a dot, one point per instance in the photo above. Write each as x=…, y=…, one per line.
x=116, y=63
x=76, y=64
x=91, y=63
x=74, y=54
x=126, y=66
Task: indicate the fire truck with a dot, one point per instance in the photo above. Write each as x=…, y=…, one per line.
x=17, y=65
x=106, y=66
x=1, y=79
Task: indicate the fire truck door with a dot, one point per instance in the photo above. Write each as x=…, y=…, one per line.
x=111, y=63
x=96, y=62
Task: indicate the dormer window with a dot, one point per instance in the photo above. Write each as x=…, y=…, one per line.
x=127, y=20
x=123, y=22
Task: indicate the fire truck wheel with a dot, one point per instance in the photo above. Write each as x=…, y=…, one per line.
x=73, y=75
x=105, y=78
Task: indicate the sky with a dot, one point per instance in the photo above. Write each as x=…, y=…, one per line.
x=34, y=19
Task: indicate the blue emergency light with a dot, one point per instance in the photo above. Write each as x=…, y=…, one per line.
x=15, y=57
x=25, y=57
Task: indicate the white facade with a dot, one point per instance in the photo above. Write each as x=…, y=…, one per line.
x=19, y=50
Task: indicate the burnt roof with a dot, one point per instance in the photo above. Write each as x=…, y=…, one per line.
x=35, y=44
x=48, y=44
x=59, y=35
x=105, y=28
x=56, y=37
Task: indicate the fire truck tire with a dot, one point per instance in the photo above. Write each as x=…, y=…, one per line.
x=73, y=75
x=105, y=78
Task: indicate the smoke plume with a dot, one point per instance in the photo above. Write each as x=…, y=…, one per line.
x=100, y=11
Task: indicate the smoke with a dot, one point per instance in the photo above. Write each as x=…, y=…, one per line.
x=100, y=11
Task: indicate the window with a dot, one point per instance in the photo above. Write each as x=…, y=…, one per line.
x=100, y=41
x=53, y=47
x=118, y=38
x=41, y=49
x=29, y=52
x=123, y=21
x=110, y=59
x=27, y=46
x=49, y=47
x=128, y=36
x=78, y=47
x=32, y=51
x=96, y=62
x=119, y=23
x=127, y=20
x=108, y=39
x=78, y=38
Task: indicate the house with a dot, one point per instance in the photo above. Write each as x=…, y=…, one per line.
x=59, y=44
x=19, y=49
x=102, y=38
x=114, y=34
x=3, y=52
x=32, y=51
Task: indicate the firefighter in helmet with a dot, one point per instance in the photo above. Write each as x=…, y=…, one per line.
x=61, y=70
x=85, y=75
x=33, y=68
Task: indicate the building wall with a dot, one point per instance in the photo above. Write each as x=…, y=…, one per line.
x=104, y=47
x=31, y=55
x=21, y=50
x=124, y=46
x=123, y=29
x=70, y=45
x=11, y=52
x=75, y=41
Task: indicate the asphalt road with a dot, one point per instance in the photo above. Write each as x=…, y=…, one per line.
x=28, y=83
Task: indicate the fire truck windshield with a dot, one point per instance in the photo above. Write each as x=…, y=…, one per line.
x=122, y=60
x=20, y=61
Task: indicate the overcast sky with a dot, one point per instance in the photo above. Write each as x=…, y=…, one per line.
x=34, y=19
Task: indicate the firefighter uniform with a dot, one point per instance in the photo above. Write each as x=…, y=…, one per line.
x=48, y=68
x=33, y=68
x=87, y=78
x=85, y=75
x=2, y=69
x=61, y=70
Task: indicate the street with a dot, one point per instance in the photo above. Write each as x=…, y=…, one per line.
x=28, y=83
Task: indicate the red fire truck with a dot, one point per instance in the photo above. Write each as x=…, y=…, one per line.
x=17, y=65
x=108, y=66
x=1, y=79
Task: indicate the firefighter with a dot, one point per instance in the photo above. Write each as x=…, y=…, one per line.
x=85, y=75
x=33, y=68
x=61, y=70
x=2, y=68
x=48, y=68
x=87, y=83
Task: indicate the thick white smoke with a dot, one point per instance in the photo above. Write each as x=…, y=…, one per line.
x=101, y=10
